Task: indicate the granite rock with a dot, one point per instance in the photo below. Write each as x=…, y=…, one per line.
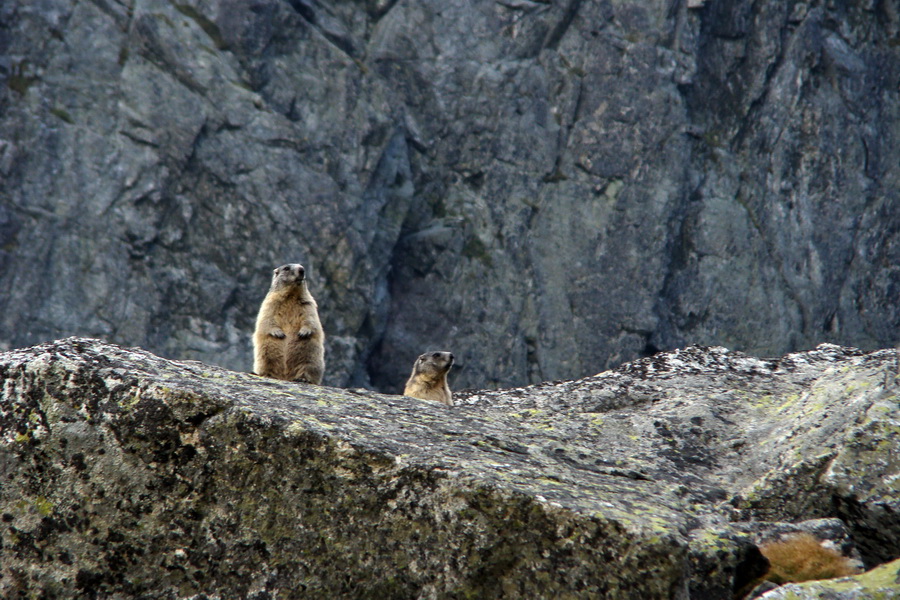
x=548, y=189
x=881, y=583
x=126, y=474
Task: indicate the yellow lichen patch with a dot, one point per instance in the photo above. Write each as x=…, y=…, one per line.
x=711, y=540
x=43, y=506
x=764, y=400
x=884, y=576
x=880, y=582
x=296, y=428
x=535, y=418
x=128, y=402
x=308, y=424
x=789, y=401
x=595, y=419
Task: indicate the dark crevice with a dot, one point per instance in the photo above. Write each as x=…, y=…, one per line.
x=751, y=118
x=597, y=467
x=138, y=140
x=649, y=349
x=208, y=26
x=200, y=418
x=679, y=249
x=304, y=10
x=157, y=53
x=383, y=215
x=308, y=13
x=556, y=34
x=376, y=11
x=873, y=527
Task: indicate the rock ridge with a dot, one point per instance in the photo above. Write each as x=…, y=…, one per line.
x=130, y=475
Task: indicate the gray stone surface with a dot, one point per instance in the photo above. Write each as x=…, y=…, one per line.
x=882, y=583
x=125, y=474
x=545, y=188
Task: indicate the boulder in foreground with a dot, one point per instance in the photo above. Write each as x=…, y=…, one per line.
x=128, y=475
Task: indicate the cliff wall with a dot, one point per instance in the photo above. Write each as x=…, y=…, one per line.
x=548, y=189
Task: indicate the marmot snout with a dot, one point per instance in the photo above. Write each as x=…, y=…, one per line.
x=288, y=274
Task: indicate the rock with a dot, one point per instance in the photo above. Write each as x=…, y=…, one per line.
x=832, y=532
x=126, y=474
x=722, y=562
x=759, y=590
x=547, y=189
x=881, y=583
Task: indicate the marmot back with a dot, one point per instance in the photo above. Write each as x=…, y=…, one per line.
x=428, y=380
x=289, y=342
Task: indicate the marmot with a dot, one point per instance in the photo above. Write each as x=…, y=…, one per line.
x=289, y=342
x=429, y=378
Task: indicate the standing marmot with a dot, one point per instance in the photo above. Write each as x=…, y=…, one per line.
x=429, y=378
x=289, y=342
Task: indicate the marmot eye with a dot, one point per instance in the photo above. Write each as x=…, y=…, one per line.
x=436, y=355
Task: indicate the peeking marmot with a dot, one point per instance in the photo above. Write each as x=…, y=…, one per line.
x=429, y=378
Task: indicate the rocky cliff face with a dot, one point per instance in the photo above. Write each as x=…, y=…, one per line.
x=126, y=475
x=545, y=188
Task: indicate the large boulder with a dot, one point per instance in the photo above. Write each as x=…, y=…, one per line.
x=125, y=474
x=547, y=189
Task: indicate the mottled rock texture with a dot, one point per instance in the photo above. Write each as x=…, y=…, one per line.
x=128, y=475
x=882, y=583
x=546, y=188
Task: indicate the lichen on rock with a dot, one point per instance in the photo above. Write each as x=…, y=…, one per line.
x=881, y=583
x=125, y=474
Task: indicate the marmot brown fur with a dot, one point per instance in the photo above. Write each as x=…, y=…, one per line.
x=289, y=342
x=429, y=378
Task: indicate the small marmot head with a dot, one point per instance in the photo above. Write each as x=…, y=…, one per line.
x=292, y=274
x=434, y=362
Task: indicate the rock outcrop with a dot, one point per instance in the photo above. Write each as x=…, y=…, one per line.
x=129, y=475
x=882, y=583
x=629, y=176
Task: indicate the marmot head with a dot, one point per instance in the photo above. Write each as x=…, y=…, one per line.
x=434, y=362
x=285, y=275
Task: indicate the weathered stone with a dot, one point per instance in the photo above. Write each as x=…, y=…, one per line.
x=548, y=189
x=125, y=474
x=722, y=562
x=882, y=583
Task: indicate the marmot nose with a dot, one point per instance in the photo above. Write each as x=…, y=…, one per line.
x=301, y=271
x=451, y=357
